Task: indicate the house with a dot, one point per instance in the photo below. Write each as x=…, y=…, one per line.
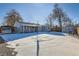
x=68, y=29
x=56, y=28
x=22, y=27
x=7, y=29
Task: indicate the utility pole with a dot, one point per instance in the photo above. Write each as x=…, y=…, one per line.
x=37, y=41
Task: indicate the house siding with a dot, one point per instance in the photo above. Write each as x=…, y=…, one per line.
x=29, y=27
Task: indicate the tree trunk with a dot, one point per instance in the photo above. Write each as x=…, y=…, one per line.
x=60, y=23
x=50, y=25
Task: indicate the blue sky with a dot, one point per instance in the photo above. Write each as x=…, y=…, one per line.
x=31, y=12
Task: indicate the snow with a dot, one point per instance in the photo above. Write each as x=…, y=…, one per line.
x=50, y=44
x=11, y=37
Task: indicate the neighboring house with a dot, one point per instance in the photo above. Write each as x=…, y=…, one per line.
x=68, y=29
x=55, y=28
x=6, y=29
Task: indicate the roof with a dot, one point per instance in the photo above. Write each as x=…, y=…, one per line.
x=28, y=23
x=6, y=27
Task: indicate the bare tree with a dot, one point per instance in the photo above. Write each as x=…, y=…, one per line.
x=50, y=21
x=12, y=17
x=59, y=14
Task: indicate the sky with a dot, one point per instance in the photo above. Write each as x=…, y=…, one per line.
x=38, y=12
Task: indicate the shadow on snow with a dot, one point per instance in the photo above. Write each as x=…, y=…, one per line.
x=11, y=37
x=5, y=50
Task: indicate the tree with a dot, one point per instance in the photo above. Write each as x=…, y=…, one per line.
x=49, y=20
x=58, y=14
x=12, y=17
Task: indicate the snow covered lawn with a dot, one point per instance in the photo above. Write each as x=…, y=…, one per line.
x=51, y=44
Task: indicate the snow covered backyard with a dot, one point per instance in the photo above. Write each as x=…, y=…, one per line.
x=50, y=44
